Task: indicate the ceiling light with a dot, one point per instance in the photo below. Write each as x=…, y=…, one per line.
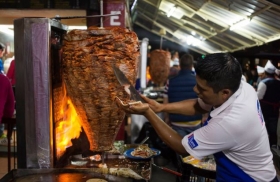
x=189, y=40
x=133, y=5
x=171, y=11
x=240, y=24
x=7, y=26
x=201, y=38
x=77, y=27
x=6, y=29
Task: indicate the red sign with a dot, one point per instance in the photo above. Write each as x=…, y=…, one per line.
x=114, y=7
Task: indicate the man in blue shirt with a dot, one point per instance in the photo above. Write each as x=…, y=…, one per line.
x=180, y=88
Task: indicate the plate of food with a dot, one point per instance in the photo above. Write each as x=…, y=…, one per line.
x=141, y=152
x=207, y=163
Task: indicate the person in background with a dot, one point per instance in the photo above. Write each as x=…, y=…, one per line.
x=174, y=69
x=180, y=88
x=249, y=77
x=174, y=56
x=277, y=77
x=268, y=94
x=193, y=70
x=11, y=75
x=2, y=51
x=261, y=74
x=243, y=78
x=7, y=102
x=255, y=77
x=234, y=133
x=277, y=74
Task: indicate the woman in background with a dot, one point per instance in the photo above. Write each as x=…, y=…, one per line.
x=2, y=51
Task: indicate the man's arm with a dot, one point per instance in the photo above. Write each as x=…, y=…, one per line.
x=185, y=107
x=166, y=114
x=167, y=134
x=165, y=101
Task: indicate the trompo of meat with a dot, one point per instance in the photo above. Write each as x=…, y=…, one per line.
x=159, y=66
x=88, y=56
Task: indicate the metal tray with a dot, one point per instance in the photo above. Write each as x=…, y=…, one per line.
x=139, y=169
x=58, y=175
x=185, y=167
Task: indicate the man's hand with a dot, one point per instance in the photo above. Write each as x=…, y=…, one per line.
x=133, y=107
x=154, y=105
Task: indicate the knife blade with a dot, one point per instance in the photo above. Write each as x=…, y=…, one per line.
x=134, y=94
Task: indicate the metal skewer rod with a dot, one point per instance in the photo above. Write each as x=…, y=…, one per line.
x=103, y=158
x=90, y=16
x=101, y=13
x=160, y=42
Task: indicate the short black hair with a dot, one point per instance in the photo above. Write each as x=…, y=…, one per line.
x=186, y=61
x=220, y=70
x=2, y=46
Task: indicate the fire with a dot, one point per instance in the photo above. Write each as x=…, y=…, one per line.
x=67, y=129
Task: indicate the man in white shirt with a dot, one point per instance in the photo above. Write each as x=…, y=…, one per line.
x=235, y=131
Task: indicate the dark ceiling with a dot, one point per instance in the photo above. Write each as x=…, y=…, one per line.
x=210, y=25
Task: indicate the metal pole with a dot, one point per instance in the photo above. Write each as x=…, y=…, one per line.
x=160, y=42
x=101, y=13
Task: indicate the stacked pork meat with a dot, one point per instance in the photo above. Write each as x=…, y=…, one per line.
x=88, y=56
x=159, y=66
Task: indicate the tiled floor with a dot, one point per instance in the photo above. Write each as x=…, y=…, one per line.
x=4, y=164
x=4, y=156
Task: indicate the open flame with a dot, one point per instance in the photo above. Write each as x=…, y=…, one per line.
x=67, y=129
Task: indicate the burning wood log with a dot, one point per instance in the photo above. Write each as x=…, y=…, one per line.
x=90, y=82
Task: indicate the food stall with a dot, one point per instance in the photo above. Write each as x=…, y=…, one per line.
x=49, y=145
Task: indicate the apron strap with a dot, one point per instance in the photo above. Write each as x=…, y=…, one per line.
x=229, y=171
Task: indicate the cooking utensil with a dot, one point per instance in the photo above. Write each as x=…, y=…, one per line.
x=168, y=170
x=128, y=154
x=143, y=141
x=134, y=95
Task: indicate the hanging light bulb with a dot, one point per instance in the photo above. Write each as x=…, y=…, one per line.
x=162, y=31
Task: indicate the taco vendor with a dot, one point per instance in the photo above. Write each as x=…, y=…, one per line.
x=234, y=132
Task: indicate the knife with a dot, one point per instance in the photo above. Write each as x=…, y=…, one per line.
x=168, y=170
x=134, y=94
